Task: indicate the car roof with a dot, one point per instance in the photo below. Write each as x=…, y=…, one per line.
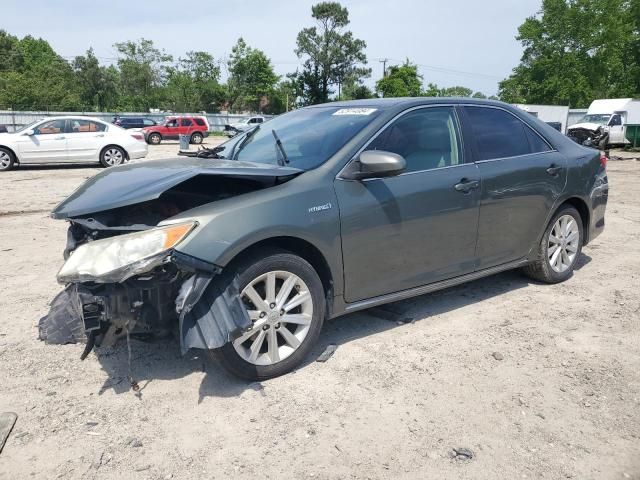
x=76, y=117
x=385, y=103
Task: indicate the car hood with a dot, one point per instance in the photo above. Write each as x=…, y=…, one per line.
x=143, y=181
x=586, y=126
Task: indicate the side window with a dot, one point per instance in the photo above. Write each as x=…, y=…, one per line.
x=186, y=122
x=148, y=122
x=536, y=143
x=253, y=120
x=199, y=121
x=615, y=121
x=427, y=138
x=51, y=127
x=259, y=120
x=84, y=126
x=172, y=123
x=498, y=134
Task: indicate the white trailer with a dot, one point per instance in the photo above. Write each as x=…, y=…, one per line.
x=553, y=114
x=614, y=114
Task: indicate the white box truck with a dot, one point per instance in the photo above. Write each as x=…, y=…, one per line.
x=606, y=121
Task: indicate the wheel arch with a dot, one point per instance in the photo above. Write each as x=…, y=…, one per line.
x=585, y=215
x=12, y=152
x=297, y=246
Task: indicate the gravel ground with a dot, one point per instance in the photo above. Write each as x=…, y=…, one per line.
x=536, y=381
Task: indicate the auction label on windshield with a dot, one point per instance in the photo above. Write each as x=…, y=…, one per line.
x=355, y=111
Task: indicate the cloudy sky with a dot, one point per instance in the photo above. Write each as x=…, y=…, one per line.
x=454, y=42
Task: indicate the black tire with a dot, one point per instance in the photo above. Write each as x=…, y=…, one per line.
x=109, y=152
x=540, y=269
x=196, y=138
x=154, y=138
x=251, y=268
x=7, y=159
x=63, y=324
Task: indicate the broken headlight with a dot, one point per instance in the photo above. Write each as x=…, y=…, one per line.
x=117, y=258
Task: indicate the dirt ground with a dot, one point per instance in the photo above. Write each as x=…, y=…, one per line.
x=536, y=381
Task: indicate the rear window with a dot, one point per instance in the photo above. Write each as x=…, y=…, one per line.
x=185, y=122
x=499, y=134
x=199, y=121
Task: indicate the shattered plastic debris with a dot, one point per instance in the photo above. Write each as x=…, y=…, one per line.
x=327, y=354
x=7, y=421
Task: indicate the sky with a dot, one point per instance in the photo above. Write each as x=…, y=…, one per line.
x=454, y=42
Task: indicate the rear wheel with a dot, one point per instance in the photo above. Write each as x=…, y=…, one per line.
x=285, y=301
x=7, y=159
x=112, y=156
x=196, y=138
x=559, y=248
x=154, y=139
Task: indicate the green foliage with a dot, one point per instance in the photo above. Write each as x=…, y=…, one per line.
x=400, y=81
x=251, y=77
x=97, y=85
x=331, y=54
x=576, y=51
x=193, y=84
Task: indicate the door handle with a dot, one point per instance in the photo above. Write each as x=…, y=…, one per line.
x=465, y=186
x=100, y=135
x=554, y=170
x=59, y=138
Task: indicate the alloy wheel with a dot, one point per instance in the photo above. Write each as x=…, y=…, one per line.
x=113, y=156
x=5, y=160
x=564, y=241
x=280, y=307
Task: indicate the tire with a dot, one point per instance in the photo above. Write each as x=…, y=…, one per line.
x=112, y=156
x=63, y=324
x=196, y=138
x=154, y=138
x=234, y=356
x=7, y=159
x=567, y=251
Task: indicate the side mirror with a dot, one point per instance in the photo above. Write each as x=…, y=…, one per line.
x=375, y=164
x=30, y=132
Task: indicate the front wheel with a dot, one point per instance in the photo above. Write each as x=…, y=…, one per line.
x=6, y=159
x=154, y=139
x=285, y=301
x=559, y=248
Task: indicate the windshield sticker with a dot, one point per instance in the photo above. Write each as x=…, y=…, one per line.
x=355, y=111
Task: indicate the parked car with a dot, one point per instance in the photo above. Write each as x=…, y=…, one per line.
x=328, y=210
x=70, y=140
x=134, y=122
x=233, y=129
x=606, y=121
x=196, y=127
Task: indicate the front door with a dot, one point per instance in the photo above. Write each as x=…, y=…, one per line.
x=522, y=176
x=47, y=144
x=418, y=227
x=84, y=139
x=616, y=129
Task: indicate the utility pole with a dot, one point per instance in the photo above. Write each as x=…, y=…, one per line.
x=384, y=61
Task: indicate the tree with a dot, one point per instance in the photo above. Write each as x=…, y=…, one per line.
x=331, y=54
x=354, y=89
x=143, y=70
x=34, y=76
x=251, y=77
x=98, y=85
x=193, y=84
x=400, y=81
x=576, y=51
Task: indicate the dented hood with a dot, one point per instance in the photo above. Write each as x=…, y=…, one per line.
x=142, y=181
x=587, y=126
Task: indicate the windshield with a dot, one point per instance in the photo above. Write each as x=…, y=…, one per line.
x=600, y=119
x=310, y=136
x=26, y=127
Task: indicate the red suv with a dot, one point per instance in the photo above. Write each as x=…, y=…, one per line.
x=196, y=127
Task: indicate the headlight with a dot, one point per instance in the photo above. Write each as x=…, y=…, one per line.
x=118, y=258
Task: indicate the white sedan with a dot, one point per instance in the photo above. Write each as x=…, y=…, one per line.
x=70, y=140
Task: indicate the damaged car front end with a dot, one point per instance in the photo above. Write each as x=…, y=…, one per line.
x=124, y=277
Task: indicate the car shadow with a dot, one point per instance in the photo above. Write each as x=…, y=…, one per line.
x=59, y=166
x=162, y=360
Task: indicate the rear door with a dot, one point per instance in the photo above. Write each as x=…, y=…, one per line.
x=85, y=139
x=522, y=177
x=418, y=227
x=616, y=128
x=47, y=144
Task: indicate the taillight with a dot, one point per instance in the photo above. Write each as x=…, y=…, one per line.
x=603, y=159
x=138, y=136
